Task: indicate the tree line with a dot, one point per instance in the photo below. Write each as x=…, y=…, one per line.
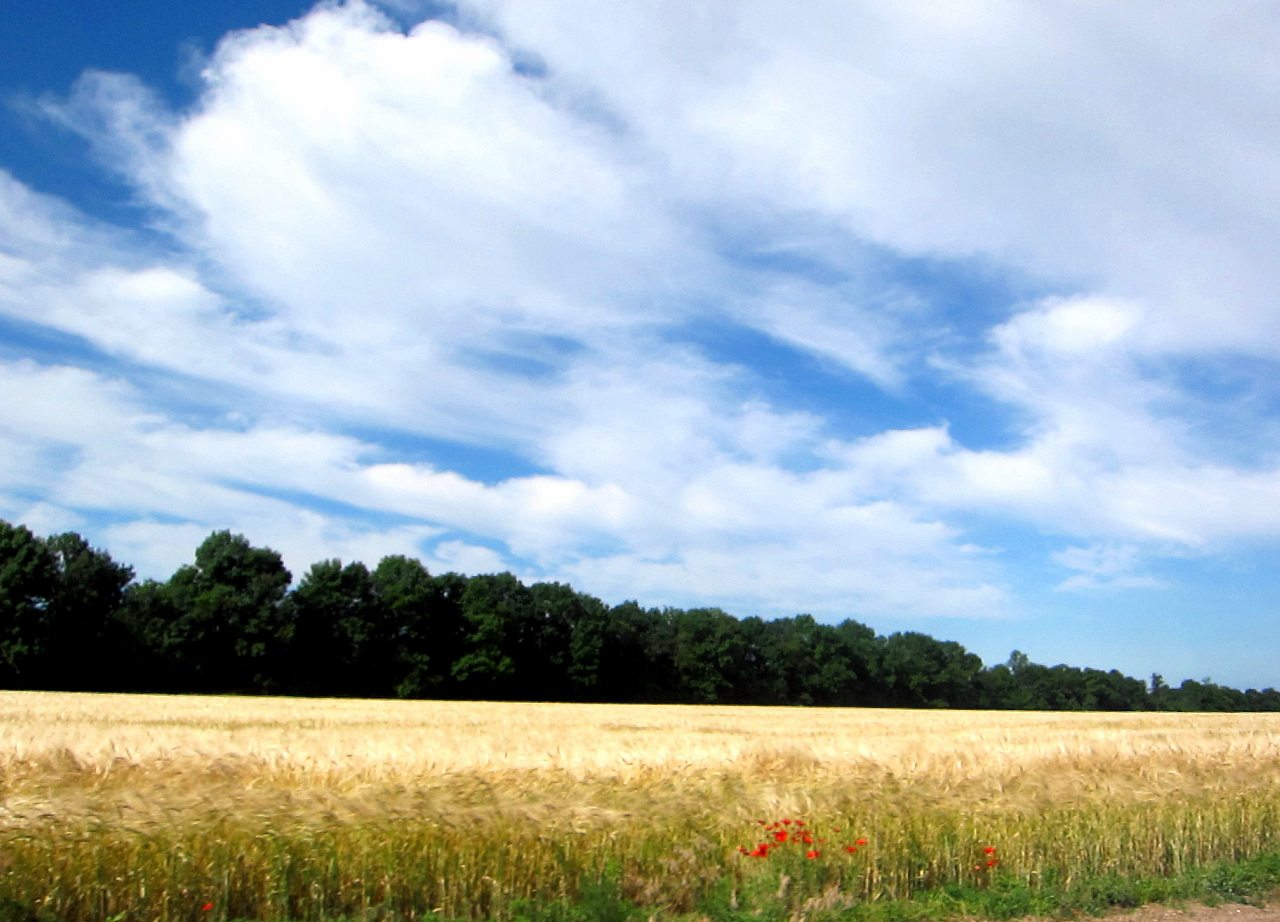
x=72, y=618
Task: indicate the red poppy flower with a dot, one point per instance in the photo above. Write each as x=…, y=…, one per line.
x=780, y=835
x=860, y=842
x=207, y=907
x=786, y=822
x=761, y=851
x=993, y=862
x=811, y=853
x=989, y=850
x=852, y=850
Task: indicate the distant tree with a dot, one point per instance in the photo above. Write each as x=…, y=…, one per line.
x=759, y=677
x=570, y=641
x=1158, y=692
x=1266, y=700
x=1018, y=662
x=150, y=619
x=71, y=617
x=1056, y=688
x=708, y=654
x=1205, y=696
x=28, y=577
x=864, y=652
x=813, y=661
x=449, y=625
x=339, y=641
x=230, y=630
x=89, y=646
x=637, y=657
x=1113, y=691
x=424, y=618
x=925, y=672
x=498, y=621
x=997, y=688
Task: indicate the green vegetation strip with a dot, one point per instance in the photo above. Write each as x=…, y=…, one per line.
x=858, y=866
x=1250, y=882
x=1004, y=896
x=75, y=619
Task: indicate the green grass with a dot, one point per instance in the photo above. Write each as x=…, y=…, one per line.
x=1249, y=882
x=1005, y=897
x=791, y=890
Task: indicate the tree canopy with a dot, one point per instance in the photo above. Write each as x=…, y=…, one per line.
x=232, y=621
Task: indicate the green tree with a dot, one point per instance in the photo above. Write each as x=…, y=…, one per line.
x=997, y=688
x=708, y=654
x=424, y=616
x=925, y=672
x=572, y=628
x=28, y=577
x=759, y=678
x=230, y=629
x=1158, y=693
x=498, y=620
x=340, y=641
x=150, y=619
x=864, y=652
x=637, y=657
x=814, y=661
x=89, y=645
x=1113, y=691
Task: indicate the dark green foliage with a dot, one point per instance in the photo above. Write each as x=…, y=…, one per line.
x=424, y=620
x=339, y=638
x=27, y=579
x=596, y=901
x=89, y=647
x=71, y=618
x=500, y=625
x=637, y=658
x=60, y=613
x=709, y=655
x=570, y=636
x=229, y=630
x=148, y=617
x=918, y=671
x=13, y=911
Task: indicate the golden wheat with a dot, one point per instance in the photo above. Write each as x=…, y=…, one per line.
x=155, y=806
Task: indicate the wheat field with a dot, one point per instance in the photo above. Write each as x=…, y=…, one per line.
x=160, y=807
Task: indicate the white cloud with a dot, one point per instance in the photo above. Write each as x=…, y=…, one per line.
x=1124, y=147
x=745, y=531
x=461, y=557
x=832, y=323
x=398, y=233
x=336, y=163
x=62, y=405
x=43, y=518
x=1070, y=327
x=1108, y=566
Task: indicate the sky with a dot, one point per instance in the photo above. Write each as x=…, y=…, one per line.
x=955, y=317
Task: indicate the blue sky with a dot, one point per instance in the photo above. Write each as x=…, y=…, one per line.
x=959, y=318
